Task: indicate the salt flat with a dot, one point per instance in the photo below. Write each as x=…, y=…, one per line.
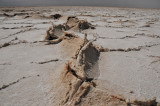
x=118, y=63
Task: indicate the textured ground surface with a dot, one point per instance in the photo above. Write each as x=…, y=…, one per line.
x=125, y=69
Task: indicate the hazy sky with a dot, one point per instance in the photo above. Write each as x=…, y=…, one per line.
x=113, y=3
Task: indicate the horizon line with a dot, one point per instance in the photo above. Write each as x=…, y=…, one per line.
x=80, y=6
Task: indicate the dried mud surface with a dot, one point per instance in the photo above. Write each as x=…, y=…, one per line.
x=75, y=56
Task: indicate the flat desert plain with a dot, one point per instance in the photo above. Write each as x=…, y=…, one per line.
x=84, y=56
